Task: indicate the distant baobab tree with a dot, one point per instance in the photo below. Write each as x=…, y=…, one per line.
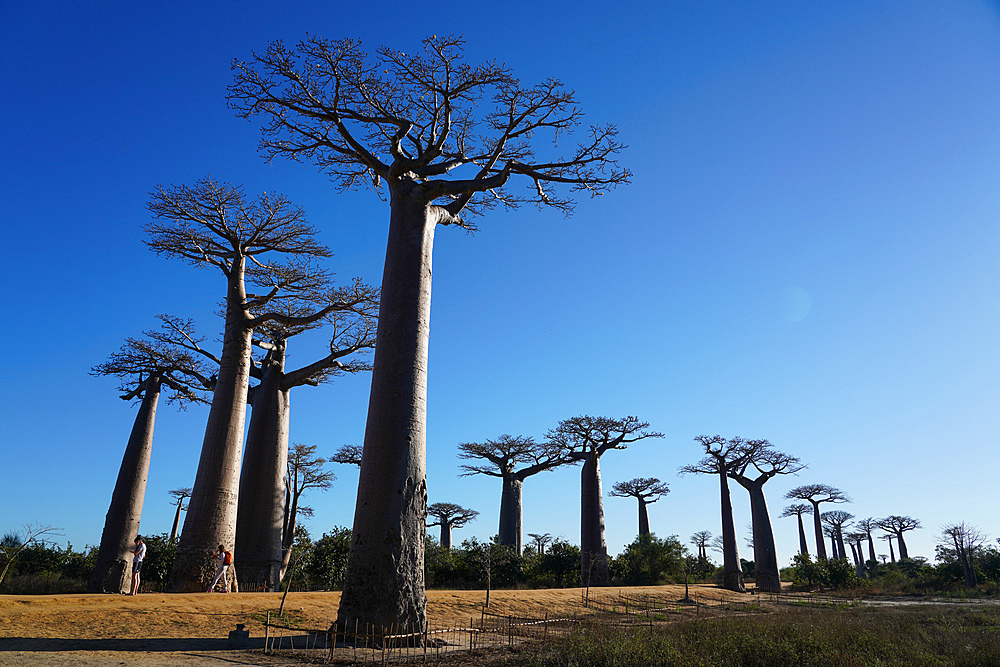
x=644, y=489
x=816, y=495
x=701, y=540
x=144, y=367
x=854, y=539
x=540, y=540
x=966, y=540
x=587, y=439
x=722, y=456
x=449, y=516
x=888, y=537
x=405, y=122
x=213, y=224
x=513, y=459
x=349, y=454
x=756, y=464
x=867, y=525
x=897, y=525
x=837, y=519
x=797, y=510
x=260, y=548
x=180, y=495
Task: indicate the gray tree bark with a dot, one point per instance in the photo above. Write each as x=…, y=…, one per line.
x=384, y=582
x=818, y=527
x=261, y=511
x=512, y=512
x=765, y=555
x=903, y=553
x=803, y=545
x=643, y=517
x=211, y=516
x=871, y=548
x=593, y=547
x=732, y=571
x=177, y=520
x=842, y=551
x=446, y=535
x=112, y=571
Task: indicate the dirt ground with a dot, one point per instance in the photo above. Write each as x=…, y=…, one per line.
x=189, y=629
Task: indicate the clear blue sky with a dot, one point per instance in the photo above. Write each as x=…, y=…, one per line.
x=809, y=252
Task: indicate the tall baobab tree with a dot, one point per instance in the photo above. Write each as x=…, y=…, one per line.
x=867, y=525
x=449, y=516
x=722, y=456
x=145, y=367
x=644, y=489
x=854, y=539
x=513, y=459
x=587, y=439
x=540, y=540
x=897, y=525
x=213, y=224
x=755, y=466
x=797, y=510
x=407, y=122
x=888, y=537
x=966, y=540
x=837, y=519
x=180, y=495
x=701, y=540
x=259, y=545
x=305, y=471
x=816, y=495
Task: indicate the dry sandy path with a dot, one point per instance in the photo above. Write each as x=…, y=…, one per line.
x=188, y=629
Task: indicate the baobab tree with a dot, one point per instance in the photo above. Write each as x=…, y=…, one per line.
x=837, y=519
x=966, y=540
x=350, y=454
x=144, y=366
x=854, y=539
x=701, y=540
x=260, y=549
x=755, y=466
x=817, y=494
x=897, y=525
x=888, y=537
x=513, y=459
x=304, y=471
x=867, y=525
x=540, y=540
x=797, y=510
x=587, y=439
x=644, y=489
x=180, y=495
x=213, y=224
x=722, y=456
x=449, y=516
x=407, y=122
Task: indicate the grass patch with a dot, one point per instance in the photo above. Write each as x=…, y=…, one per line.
x=855, y=636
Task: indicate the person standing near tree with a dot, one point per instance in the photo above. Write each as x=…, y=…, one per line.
x=223, y=559
x=138, y=553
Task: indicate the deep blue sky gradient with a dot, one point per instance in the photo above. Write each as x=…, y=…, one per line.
x=808, y=251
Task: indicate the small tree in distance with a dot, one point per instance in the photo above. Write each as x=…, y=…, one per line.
x=180, y=495
x=349, y=454
x=410, y=122
x=644, y=489
x=540, y=540
x=449, y=516
x=797, y=511
x=897, y=525
x=305, y=471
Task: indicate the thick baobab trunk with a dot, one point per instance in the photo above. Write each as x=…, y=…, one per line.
x=112, y=572
x=871, y=549
x=211, y=515
x=803, y=545
x=765, y=555
x=818, y=527
x=892, y=552
x=833, y=547
x=511, y=513
x=643, y=517
x=261, y=512
x=177, y=520
x=446, y=535
x=903, y=553
x=384, y=581
x=732, y=571
x=854, y=555
x=593, y=547
x=841, y=550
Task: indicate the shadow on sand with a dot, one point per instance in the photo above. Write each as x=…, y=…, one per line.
x=44, y=644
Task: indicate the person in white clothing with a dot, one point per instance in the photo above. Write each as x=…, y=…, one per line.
x=138, y=553
x=222, y=560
